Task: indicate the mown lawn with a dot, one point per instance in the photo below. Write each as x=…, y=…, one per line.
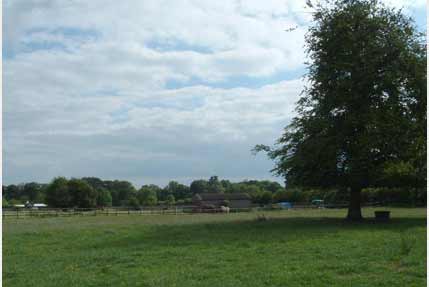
x=290, y=248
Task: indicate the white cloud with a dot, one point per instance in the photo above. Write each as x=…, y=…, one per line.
x=406, y=4
x=53, y=129
x=85, y=85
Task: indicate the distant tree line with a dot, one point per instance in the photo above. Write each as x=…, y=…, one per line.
x=90, y=192
x=399, y=196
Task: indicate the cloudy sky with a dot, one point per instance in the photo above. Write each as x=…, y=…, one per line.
x=150, y=91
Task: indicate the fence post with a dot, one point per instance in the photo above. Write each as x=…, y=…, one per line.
x=17, y=213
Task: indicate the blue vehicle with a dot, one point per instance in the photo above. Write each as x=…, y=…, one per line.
x=285, y=205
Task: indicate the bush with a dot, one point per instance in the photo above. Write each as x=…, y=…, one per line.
x=395, y=195
x=13, y=202
x=4, y=202
x=261, y=197
x=383, y=195
x=147, y=196
x=104, y=198
x=170, y=200
x=333, y=196
x=292, y=195
x=420, y=196
x=133, y=202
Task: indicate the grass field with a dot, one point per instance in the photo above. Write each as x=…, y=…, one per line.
x=289, y=248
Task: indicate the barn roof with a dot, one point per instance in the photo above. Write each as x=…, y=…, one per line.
x=222, y=196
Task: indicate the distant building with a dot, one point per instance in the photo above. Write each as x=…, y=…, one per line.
x=233, y=200
x=35, y=205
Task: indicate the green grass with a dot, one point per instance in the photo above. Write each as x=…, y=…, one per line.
x=290, y=248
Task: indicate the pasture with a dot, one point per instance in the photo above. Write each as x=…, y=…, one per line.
x=282, y=248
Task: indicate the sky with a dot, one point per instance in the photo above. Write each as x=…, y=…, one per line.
x=151, y=91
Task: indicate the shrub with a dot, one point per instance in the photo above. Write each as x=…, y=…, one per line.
x=383, y=195
x=293, y=195
x=225, y=202
x=104, y=198
x=147, y=196
x=133, y=202
x=395, y=195
x=12, y=202
x=170, y=200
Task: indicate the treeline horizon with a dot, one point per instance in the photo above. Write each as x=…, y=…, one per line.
x=90, y=192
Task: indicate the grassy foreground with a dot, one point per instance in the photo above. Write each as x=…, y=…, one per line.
x=290, y=248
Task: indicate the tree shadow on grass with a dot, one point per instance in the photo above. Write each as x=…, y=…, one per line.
x=256, y=230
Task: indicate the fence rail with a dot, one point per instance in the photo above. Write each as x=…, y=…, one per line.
x=66, y=212
x=116, y=211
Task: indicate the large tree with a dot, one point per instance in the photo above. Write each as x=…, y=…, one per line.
x=363, y=112
x=214, y=185
x=82, y=194
x=121, y=191
x=199, y=186
x=148, y=194
x=58, y=194
x=33, y=191
x=104, y=198
x=178, y=190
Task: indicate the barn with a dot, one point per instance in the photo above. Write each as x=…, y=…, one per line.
x=233, y=200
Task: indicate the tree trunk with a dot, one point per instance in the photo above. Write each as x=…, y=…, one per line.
x=354, y=212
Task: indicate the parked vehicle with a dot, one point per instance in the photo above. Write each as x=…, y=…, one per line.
x=285, y=205
x=319, y=203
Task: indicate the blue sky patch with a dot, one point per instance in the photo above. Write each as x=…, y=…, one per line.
x=238, y=81
x=173, y=45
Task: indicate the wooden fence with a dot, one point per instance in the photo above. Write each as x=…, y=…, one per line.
x=66, y=212
x=116, y=211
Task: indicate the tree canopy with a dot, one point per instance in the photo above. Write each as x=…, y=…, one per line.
x=82, y=194
x=57, y=193
x=361, y=119
x=147, y=195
